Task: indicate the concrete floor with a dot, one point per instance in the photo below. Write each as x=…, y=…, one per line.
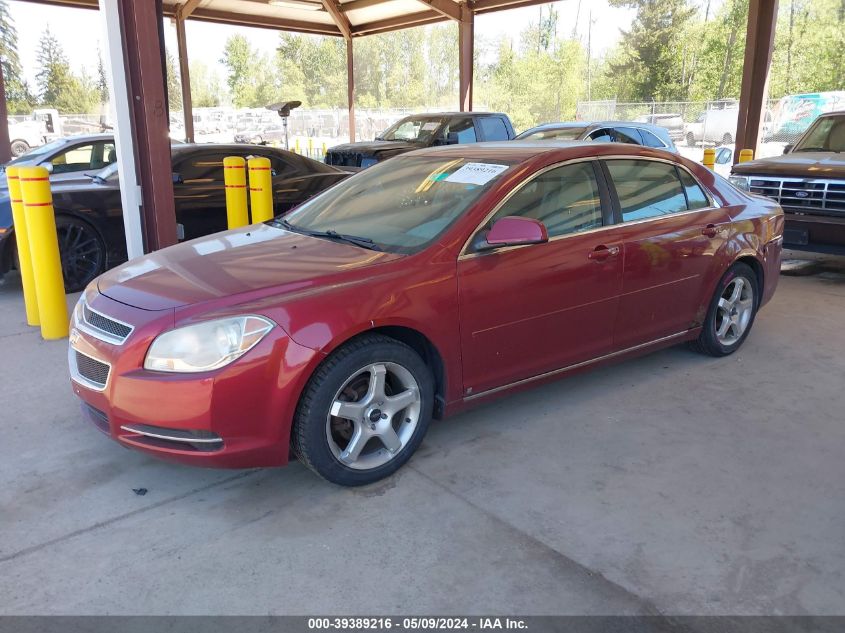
x=669, y=484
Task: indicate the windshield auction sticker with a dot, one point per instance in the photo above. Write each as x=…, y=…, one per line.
x=476, y=173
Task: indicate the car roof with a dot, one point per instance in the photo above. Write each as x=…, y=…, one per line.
x=833, y=113
x=522, y=151
x=438, y=115
x=99, y=136
x=587, y=124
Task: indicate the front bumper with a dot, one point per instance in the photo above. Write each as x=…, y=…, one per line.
x=814, y=233
x=238, y=416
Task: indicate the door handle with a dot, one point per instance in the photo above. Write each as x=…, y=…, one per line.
x=602, y=252
x=711, y=230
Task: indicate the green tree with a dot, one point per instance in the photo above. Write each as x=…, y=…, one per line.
x=252, y=79
x=102, y=81
x=19, y=98
x=58, y=86
x=206, y=88
x=174, y=87
x=649, y=66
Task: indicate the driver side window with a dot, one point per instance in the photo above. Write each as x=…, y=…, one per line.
x=565, y=199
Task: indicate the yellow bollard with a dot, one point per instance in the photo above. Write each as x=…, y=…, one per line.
x=324, y=148
x=234, y=176
x=296, y=146
x=310, y=147
x=260, y=189
x=22, y=239
x=709, y=158
x=44, y=249
x=746, y=155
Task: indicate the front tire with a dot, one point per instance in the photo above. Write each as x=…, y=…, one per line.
x=82, y=251
x=731, y=312
x=19, y=148
x=364, y=411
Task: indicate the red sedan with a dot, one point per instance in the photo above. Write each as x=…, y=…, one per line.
x=412, y=290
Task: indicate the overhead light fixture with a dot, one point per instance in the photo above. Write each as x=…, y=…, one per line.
x=296, y=4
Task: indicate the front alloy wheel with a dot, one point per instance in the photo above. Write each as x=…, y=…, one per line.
x=82, y=252
x=364, y=411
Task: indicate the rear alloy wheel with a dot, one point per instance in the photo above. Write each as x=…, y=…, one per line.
x=19, y=148
x=731, y=313
x=82, y=251
x=364, y=412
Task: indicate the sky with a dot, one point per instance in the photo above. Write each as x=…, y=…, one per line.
x=79, y=31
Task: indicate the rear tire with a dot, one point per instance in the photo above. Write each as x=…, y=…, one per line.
x=727, y=139
x=364, y=411
x=731, y=312
x=691, y=139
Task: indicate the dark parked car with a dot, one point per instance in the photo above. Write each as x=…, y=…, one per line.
x=423, y=130
x=90, y=220
x=422, y=286
x=602, y=132
x=809, y=182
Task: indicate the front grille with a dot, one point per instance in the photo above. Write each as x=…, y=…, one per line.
x=802, y=193
x=91, y=369
x=113, y=331
x=343, y=159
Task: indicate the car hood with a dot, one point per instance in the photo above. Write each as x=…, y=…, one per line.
x=374, y=148
x=253, y=258
x=797, y=164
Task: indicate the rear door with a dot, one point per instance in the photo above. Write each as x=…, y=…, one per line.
x=672, y=232
x=531, y=309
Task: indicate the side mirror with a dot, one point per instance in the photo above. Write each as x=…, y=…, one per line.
x=788, y=148
x=515, y=231
x=48, y=166
x=452, y=138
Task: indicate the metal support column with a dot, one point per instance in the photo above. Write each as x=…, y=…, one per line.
x=5, y=141
x=184, y=76
x=466, y=28
x=135, y=43
x=759, y=42
x=350, y=88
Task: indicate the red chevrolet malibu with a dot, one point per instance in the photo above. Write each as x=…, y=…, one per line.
x=420, y=286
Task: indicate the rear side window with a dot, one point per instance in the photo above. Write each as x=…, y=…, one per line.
x=646, y=189
x=629, y=135
x=493, y=129
x=565, y=199
x=652, y=140
x=696, y=199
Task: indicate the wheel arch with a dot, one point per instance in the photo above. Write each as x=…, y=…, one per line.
x=752, y=262
x=422, y=345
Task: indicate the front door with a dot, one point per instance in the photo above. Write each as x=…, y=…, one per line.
x=531, y=309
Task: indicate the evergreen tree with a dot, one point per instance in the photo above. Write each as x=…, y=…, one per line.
x=58, y=86
x=19, y=99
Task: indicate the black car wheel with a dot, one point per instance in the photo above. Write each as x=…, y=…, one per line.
x=19, y=147
x=727, y=139
x=691, y=139
x=82, y=250
x=364, y=412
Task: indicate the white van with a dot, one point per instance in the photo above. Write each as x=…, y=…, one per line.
x=717, y=124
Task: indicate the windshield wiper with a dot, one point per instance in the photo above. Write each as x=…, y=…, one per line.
x=357, y=240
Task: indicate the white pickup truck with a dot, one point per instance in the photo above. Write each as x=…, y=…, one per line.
x=24, y=135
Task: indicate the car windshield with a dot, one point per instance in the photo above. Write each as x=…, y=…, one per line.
x=556, y=134
x=401, y=205
x=415, y=129
x=827, y=134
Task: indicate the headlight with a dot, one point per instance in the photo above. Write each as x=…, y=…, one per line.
x=740, y=182
x=206, y=346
